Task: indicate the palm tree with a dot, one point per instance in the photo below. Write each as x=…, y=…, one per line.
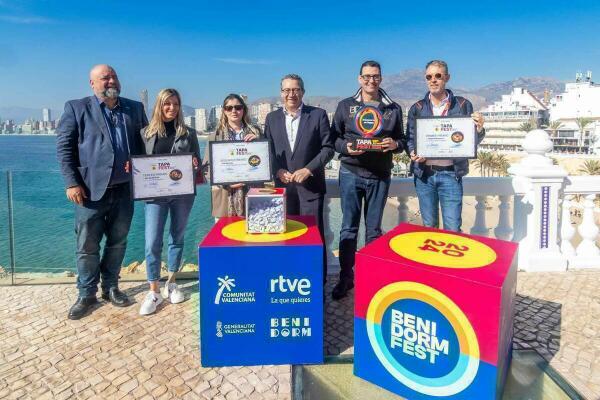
x=554, y=126
x=582, y=123
x=500, y=164
x=528, y=125
x=590, y=167
x=484, y=162
x=402, y=158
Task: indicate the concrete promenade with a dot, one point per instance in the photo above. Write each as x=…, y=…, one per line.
x=117, y=354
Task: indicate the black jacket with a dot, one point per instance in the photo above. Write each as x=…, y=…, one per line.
x=313, y=148
x=370, y=164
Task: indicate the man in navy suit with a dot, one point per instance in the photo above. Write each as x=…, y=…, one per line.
x=301, y=146
x=96, y=136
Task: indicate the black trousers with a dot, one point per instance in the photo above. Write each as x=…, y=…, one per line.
x=295, y=206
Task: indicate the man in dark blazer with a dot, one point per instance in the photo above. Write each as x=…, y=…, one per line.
x=301, y=146
x=96, y=136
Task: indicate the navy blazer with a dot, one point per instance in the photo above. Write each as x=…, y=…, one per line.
x=313, y=148
x=84, y=145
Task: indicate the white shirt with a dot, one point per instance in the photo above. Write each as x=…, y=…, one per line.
x=438, y=111
x=239, y=135
x=291, y=125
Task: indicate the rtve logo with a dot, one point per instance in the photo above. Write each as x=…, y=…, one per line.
x=283, y=285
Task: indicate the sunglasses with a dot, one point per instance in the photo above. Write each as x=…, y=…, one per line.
x=367, y=78
x=237, y=107
x=436, y=76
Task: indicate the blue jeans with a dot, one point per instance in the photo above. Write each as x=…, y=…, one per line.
x=156, y=217
x=443, y=189
x=111, y=217
x=355, y=189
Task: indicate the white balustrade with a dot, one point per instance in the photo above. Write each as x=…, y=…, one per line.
x=504, y=229
x=402, y=209
x=479, y=227
x=587, y=253
x=567, y=231
x=542, y=196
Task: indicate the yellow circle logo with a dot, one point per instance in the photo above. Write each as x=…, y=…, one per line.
x=443, y=250
x=237, y=231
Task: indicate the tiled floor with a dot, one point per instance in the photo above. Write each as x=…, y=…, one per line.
x=115, y=353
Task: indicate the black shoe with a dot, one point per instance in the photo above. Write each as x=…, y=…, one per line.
x=116, y=297
x=81, y=307
x=341, y=289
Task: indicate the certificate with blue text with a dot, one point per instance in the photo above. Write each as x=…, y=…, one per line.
x=446, y=137
x=239, y=162
x=162, y=175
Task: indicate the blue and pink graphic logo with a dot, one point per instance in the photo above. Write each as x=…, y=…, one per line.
x=422, y=338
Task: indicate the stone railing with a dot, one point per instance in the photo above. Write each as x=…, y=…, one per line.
x=537, y=206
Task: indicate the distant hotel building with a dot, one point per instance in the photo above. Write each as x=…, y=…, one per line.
x=214, y=117
x=201, y=122
x=144, y=100
x=190, y=120
x=259, y=112
x=577, y=111
x=505, y=118
x=46, y=115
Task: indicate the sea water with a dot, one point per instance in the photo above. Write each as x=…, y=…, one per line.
x=43, y=226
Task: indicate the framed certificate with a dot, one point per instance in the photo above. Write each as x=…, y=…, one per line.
x=236, y=161
x=162, y=175
x=446, y=137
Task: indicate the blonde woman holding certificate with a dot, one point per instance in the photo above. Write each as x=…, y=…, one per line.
x=167, y=134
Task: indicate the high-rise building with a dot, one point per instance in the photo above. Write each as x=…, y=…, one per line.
x=262, y=109
x=144, y=100
x=190, y=121
x=214, y=116
x=201, y=122
x=46, y=115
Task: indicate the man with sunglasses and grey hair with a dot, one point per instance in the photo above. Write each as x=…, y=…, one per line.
x=439, y=182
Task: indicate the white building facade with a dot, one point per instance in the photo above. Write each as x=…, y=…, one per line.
x=578, y=112
x=200, y=120
x=214, y=117
x=504, y=119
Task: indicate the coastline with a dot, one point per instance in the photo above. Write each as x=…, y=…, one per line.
x=27, y=134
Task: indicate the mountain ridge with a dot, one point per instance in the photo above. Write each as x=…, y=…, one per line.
x=405, y=87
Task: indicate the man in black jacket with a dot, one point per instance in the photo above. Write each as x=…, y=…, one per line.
x=364, y=176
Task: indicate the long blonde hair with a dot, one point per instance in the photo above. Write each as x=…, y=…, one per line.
x=246, y=124
x=156, y=125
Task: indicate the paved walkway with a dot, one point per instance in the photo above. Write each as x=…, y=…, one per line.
x=114, y=353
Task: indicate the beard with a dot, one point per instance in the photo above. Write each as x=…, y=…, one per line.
x=111, y=93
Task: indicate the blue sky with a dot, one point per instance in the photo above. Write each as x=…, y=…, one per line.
x=208, y=49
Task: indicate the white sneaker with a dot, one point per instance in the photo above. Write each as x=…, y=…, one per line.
x=173, y=293
x=150, y=302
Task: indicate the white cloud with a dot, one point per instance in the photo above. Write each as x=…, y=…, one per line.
x=245, y=61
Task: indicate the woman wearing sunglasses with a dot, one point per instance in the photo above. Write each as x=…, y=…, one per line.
x=234, y=124
x=167, y=134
